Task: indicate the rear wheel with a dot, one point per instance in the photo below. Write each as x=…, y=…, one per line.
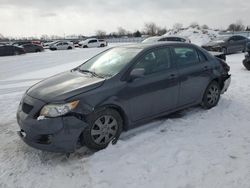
x=212, y=95
x=104, y=126
x=38, y=50
x=17, y=53
x=224, y=50
x=69, y=48
x=246, y=63
x=102, y=45
x=85, y=46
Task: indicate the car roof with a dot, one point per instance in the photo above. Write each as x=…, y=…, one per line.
x=146, y=46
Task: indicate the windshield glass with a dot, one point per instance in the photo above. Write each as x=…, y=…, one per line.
x=151, y=39
x=221, y=38
x=111, y=62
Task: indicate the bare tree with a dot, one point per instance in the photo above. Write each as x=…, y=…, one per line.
x=150, y=28
x=204, y=26
x=194, y=25
x=121, y=31
x=177, y=26
x=238, y=26
x=101, y=33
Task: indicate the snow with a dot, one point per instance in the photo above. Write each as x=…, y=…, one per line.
x=196, y=35
x=191, y=149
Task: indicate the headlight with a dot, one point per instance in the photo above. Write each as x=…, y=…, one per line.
x=56, y=110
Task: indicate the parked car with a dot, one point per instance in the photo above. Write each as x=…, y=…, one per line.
x=227, y=44
x=6, y=50
x=166, y=38
x=117, y=90
x=29, y=48
x=63, y=45
x=20, y=43
x=93, y=43
x=246, y=61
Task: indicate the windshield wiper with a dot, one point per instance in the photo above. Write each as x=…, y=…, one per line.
x=91, y=72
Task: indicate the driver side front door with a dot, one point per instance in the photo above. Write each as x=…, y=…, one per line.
x=157, y=91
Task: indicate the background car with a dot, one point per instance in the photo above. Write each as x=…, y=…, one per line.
x=227, y=44
x=166, y=38
x=92, y=43
x=62, y=45
x=6, y=50
x=29, y=48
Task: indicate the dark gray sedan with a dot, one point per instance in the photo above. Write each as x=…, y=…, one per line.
x=117, y=90
x=29, y=48
x=228, y=44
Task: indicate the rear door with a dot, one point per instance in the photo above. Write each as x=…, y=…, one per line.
x=194, y=74
x=157, y=91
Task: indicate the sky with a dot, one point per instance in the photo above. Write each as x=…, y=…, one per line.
x=23, y=18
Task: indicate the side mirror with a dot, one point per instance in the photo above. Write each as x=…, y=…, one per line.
x=136, y=73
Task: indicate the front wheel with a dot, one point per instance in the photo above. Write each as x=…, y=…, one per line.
x=246, y=64
x=104, y=126
x=211, y=96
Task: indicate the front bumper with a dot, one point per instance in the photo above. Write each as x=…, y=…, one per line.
x=53, y=134
x=227, y=82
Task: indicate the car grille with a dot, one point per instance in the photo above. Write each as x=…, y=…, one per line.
x=26, y=108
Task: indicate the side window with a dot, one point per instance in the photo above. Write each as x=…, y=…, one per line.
x=186, y=55
x=65, y=43
x=92, y=41
x=155, y=61
x=238, y=38
x=59, y=44
x=163, y=39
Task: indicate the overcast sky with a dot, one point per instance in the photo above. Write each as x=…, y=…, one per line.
x=65, y=17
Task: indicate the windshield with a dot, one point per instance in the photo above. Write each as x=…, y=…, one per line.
x=151, y=39
x=221, y=38
x=111, y=62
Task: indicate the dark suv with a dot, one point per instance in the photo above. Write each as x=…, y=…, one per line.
x=117, y=90
x=227, y=44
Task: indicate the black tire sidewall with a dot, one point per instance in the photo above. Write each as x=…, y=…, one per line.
x=86, y=136
x=205, y=103
x=246, y=63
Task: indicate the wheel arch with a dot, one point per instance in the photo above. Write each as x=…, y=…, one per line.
x=120, y=111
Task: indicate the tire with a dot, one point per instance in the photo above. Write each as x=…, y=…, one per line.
x=69, y=48
x=104, y=126
x=211, y=96
x=246, y=64
x=224, y=50
x=85, y=46
x=102, y=45
x=38, y=50
x=16, y=53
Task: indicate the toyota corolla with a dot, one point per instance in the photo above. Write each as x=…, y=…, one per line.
x=117, y=90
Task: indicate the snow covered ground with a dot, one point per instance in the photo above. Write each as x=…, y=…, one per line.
x=192, y=149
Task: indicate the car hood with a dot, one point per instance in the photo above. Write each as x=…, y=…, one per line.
x=63, y=86
x=214, y=43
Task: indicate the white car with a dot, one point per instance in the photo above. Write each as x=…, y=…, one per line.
x=92, y=43
x=172, y=38
x=62, y=45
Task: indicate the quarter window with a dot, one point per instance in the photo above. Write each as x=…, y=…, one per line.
x=186, y=56
x=155, y=61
